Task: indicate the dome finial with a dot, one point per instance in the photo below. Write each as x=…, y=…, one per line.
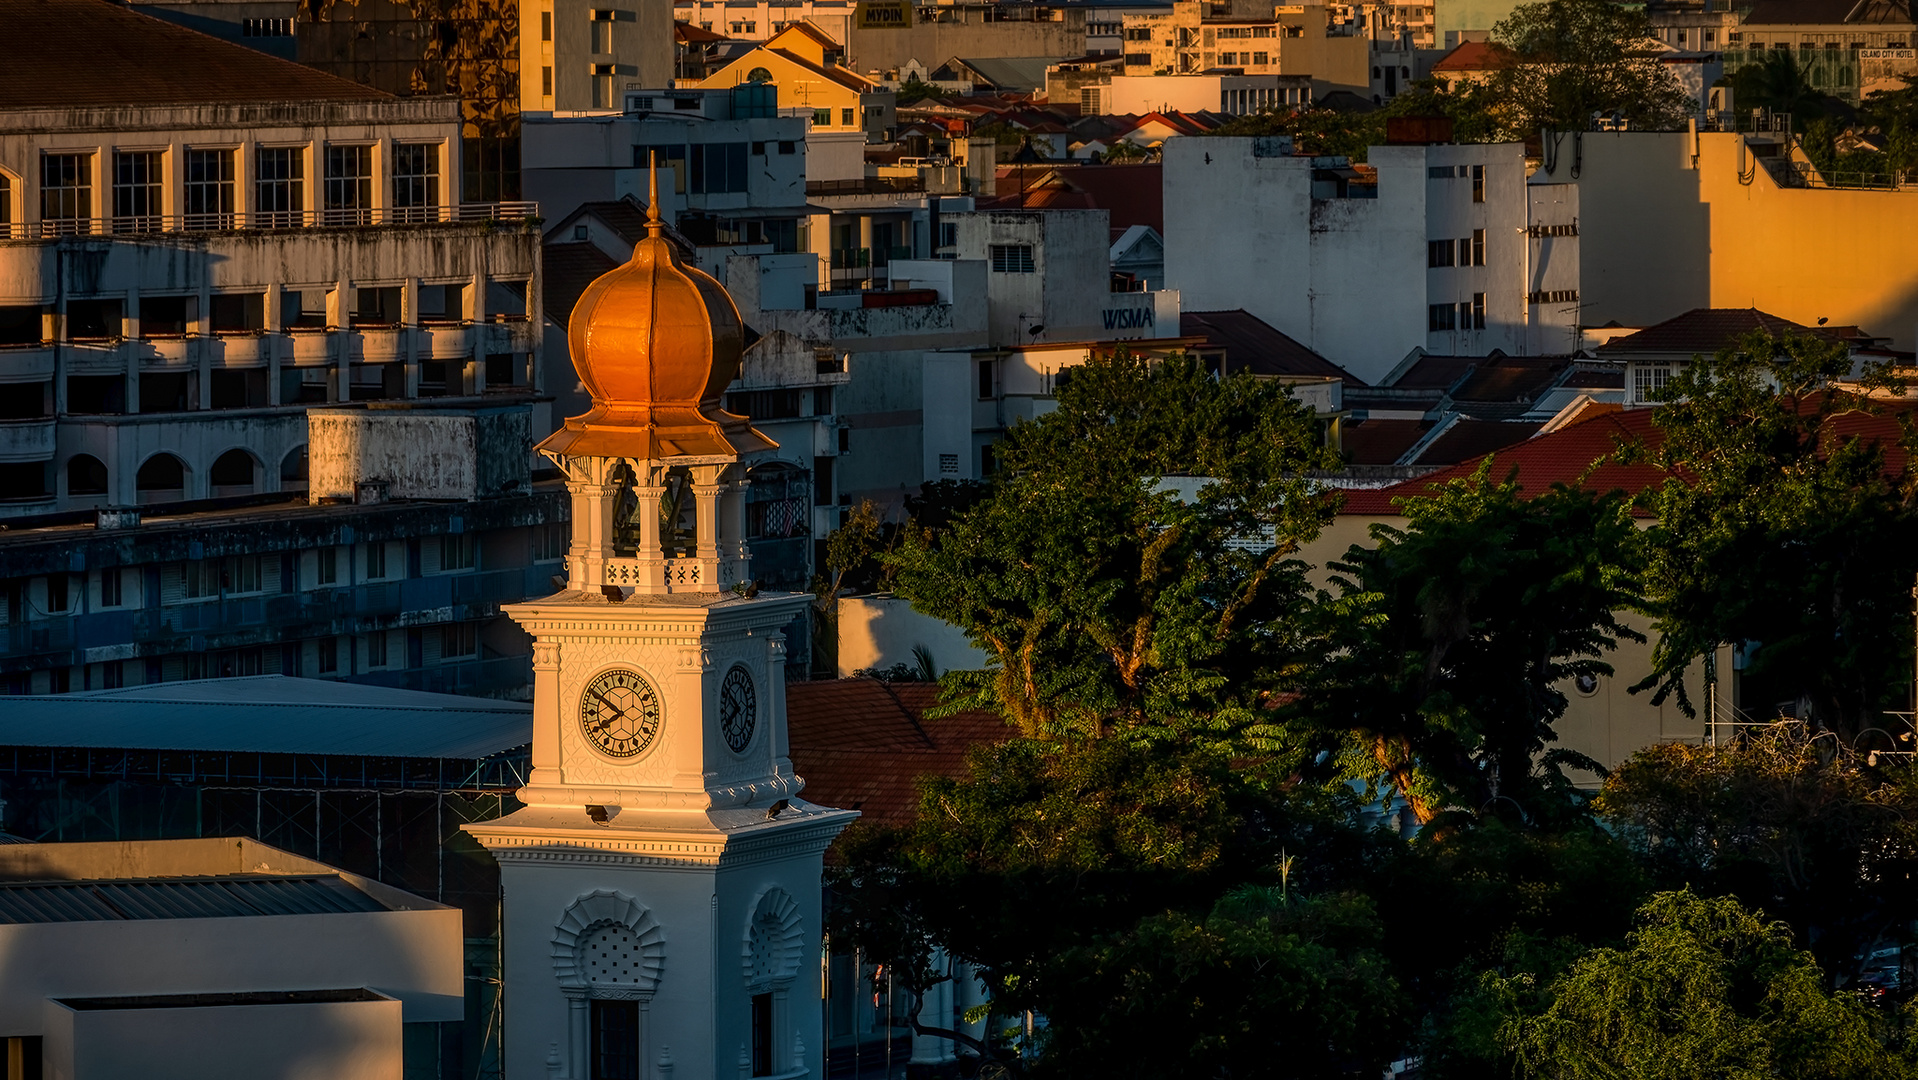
x=653, y=225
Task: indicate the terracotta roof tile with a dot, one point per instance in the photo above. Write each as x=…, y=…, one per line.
x=1698, y=332
x=77, y=53
x=1474, y=56
x=862, y=744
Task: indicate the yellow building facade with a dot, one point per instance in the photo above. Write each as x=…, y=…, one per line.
x=804, y=64
x=1671, y=221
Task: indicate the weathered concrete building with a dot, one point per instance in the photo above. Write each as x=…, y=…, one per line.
x=191, y=254
x=1440, y=247
x=1250, y=37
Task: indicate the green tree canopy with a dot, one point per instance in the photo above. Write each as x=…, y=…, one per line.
x=1571, y=60
x=1133, y=561
x=1443, y=651
x=1704, y=988
x=1780, y=529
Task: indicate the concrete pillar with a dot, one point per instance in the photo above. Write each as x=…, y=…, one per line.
x=129, y=331
x=273, y=340
x=339, y=314
x=706, y=491
x=410, y=335
x=652, y=562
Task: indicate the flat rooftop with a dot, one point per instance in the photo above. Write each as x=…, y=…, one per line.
x=273, y=714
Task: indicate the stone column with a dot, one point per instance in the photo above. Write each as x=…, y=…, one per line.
x=706, y=491
x=652, y=561
x=546, y=755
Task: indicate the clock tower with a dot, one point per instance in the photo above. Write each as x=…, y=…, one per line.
x=661, y=885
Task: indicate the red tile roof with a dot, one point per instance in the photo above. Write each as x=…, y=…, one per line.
x=1698, y=332
x=1560, y=457
x=1474, y=56
x=77, y=53
x=688, y=34
x=862, y=744
x=1130, y=194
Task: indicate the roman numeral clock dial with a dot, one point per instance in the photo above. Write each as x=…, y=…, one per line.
x=619, y=713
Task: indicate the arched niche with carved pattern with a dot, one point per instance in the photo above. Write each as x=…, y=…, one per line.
x=770, y=951
x=608, y=945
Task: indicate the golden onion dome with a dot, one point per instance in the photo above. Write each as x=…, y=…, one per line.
x=656, y=342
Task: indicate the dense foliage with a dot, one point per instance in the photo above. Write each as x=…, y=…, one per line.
x=1255, y=817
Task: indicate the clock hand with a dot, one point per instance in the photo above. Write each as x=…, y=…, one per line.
x=618, y=712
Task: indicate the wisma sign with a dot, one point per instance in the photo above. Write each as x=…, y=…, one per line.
x=1139, y=318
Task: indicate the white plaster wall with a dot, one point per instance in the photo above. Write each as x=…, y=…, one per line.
x=882, y=630
x=319, y=1041
x=421, y=456
x=414, y=956
x=948, y=406
x=1553, y=266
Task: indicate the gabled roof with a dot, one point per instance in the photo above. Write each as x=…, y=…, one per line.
x=1511, y=379
x=862, y=744
x=1699, y=332
x=851, y=80
x=1131, y=194
x=1022, y=73
x=1251, y=344
x=805, y=28
x=77, y=53
x=1559, y=457
x=1474, y=56
x=688, y=34
x=1380, y=442
x=1469, y=438
x=568, y=268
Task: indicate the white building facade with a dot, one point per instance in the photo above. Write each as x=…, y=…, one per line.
x=1440, y=247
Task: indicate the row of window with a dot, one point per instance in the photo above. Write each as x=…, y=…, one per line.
x=1806, y=46
x=209, y=198
x=1255, y=59
x=1552, y=296
x=1464, y=315
x=1459, y=172
x=1470, y=251
x=328, y=656
x=710, y=168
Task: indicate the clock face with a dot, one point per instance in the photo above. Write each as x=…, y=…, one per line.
x=619, y=712
x=738, y=709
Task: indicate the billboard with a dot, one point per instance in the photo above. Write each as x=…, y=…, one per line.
x=883, y=14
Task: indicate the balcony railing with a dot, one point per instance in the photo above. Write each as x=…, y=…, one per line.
x=267, y=219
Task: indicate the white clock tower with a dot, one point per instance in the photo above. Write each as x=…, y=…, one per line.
x=662, y=901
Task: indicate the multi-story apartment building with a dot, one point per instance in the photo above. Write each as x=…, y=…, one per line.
x=576, y=55
x=877, y=44
x=807, y=69
x=733, y=169
x=195, y=252
x=1252, y=37
x=1440, y=247
x=397, y=584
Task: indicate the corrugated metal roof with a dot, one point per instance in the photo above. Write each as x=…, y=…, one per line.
x=272, y=714
x=179, y=898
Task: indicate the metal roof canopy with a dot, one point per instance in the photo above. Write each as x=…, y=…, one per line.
x=180, y=898
x=274, y=714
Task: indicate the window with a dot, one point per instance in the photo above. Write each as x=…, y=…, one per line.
x=328, y=650
x=375, y=561
x=266, y=28
x=1440, y=317
x=762, y=1022
x=718, y=168
x=456, y=552
x=602, y=31
x=1228, y=58
x=110, y=591
x=765, y=404
x=86, y=474
x=1464, y=252
x=986, y=381
x=349, y=185
x=416, y=180
x=1478, y=183
x=459, y=640
x=1439, y=172
x=822, y=118
x=326, y=566
x=375, y=650
x=1648, y=380
x=137, y=177
x=785, y=147
x=546, y=29
x=546, y=81
x=1012, y=259
x=6, y=199
x=615, y=1031
x=1478, y=311
x=1438, y=253
x=278, y=194
x=1260, y=59
x=209, y=189
x=58, y=595
x=846, y=118
x=1478, y=247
